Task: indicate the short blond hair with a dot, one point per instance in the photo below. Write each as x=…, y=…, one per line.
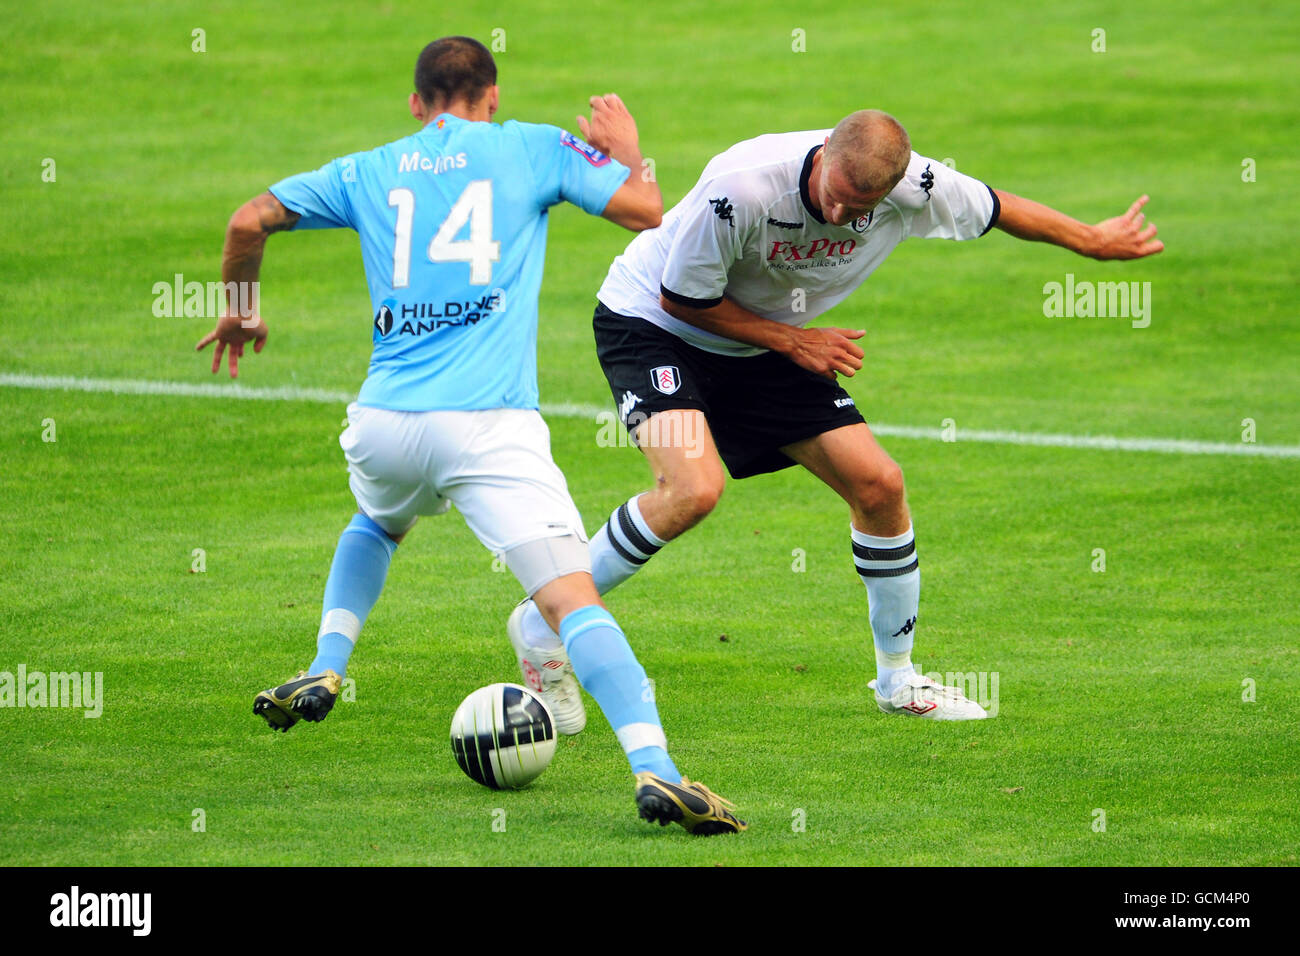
x=871, y=148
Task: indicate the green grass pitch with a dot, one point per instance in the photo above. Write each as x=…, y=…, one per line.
x=1159, y=692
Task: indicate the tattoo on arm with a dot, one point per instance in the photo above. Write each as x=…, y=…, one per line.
x=272, y=214
x=246, y=235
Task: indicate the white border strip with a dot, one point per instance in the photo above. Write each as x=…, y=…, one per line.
x=290, y=393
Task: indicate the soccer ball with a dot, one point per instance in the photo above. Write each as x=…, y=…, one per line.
x=503, y=736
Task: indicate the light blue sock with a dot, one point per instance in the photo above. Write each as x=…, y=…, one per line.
x=355, y=582
x=605, y=665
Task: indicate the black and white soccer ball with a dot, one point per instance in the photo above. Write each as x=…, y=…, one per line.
x=503, y=736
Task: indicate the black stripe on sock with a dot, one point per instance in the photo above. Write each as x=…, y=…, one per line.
x=888, y=572
x=884, y=554
x=623, y=552
x=633, y=533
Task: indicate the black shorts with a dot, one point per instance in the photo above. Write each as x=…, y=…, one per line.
x=755, y=405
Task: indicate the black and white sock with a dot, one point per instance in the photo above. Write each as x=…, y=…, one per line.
x=890, y=570
x=622, y=546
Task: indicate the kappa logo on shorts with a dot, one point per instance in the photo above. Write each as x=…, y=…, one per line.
x=630, y=401
x=666, y=379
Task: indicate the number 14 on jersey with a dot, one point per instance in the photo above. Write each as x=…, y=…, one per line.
x=480, y=250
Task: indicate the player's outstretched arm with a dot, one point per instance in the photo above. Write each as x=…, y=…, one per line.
x=637, y=204
x=1123, y=237
x=825, y=351
x=240, y=263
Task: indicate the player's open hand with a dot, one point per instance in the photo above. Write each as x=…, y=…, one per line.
x=1124, y=236
x=233, y=333
x=612, y=129
x=827, y=351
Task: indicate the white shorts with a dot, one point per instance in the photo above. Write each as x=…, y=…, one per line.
x=494, y=465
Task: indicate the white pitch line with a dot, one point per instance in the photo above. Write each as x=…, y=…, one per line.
x=1169, y=446
x=290, y=393
x=137, y=386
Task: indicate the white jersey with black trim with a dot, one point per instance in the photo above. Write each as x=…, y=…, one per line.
x=748, y=230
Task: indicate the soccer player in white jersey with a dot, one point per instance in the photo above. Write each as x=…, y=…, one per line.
x=452, y=221
x=700, y=331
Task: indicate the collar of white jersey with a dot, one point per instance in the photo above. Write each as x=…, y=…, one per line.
x=804, y=176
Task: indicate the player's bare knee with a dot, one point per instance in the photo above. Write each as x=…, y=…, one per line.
x=891, y=482
x=692, y=499
x=704, y=495
x=880, y=491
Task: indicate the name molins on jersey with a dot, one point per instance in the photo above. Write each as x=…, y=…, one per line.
x=794, y=252
x=410, y=162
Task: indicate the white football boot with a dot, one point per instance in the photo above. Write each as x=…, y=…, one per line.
x=550, y=673
x=920, y=696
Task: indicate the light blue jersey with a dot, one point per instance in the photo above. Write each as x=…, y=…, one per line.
x=453, y=236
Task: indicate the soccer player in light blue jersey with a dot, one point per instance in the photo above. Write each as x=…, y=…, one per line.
x=452, y=221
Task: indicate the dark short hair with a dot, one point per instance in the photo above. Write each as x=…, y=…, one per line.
x=454, y=68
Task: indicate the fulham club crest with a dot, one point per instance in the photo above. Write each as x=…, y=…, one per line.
x=666, y=379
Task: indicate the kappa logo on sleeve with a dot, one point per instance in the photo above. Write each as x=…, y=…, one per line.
x=590, y=153
x=725, y=211
x=927, y=181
